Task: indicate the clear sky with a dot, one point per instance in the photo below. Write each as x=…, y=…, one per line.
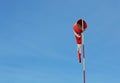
x=37, y=44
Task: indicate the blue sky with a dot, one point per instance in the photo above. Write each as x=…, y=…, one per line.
x=37, y=44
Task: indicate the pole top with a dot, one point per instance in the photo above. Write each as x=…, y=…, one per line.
x=82, y=23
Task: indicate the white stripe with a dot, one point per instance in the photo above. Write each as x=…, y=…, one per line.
x=77, y=34
x=79, y=48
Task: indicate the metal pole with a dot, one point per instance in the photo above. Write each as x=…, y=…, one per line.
x=84, y=66
x=83, y=56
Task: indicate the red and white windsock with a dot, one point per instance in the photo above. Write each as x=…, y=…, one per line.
x=79, y=28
